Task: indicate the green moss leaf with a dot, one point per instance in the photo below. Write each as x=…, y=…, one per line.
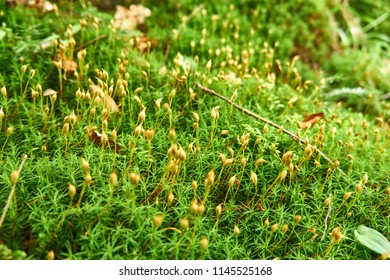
x=373, y=239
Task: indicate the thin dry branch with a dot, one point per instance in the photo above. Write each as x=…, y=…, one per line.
x=91, y=42
x=297, y=139
x=326, y=217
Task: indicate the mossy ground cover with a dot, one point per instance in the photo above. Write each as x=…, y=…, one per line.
x=127, y=158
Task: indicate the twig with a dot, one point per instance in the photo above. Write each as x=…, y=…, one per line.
x=91, y=42
x=297, y=139
x=386, y=96
x=326, y=218
x=11, y=193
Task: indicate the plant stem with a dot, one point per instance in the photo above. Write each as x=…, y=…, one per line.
x=11, y=194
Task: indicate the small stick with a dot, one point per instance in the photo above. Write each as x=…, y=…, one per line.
x=91, y=42
x=297, y=139
x=11, y=193
x=326, y=218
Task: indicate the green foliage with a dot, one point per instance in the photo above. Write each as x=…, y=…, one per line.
x=7, y=254
x=373, y=239
x=129, y=159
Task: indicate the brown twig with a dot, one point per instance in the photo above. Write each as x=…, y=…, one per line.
x=327, y=217
x=297, y=139
x=90, y=42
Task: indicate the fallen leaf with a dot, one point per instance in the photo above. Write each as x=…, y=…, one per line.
x=96, y=137
x=96, y=90
x=69, y=65
x=144, y=43
x=108, y=100
x=111, y=102
x=311, y=120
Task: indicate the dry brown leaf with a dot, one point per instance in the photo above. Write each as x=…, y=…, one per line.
x=311, y=120
x=95, y=90
x=129, y=19
x=144, y=43
x=108, y=100
x=69, y=65
x=95, y=137
x=111, y=102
